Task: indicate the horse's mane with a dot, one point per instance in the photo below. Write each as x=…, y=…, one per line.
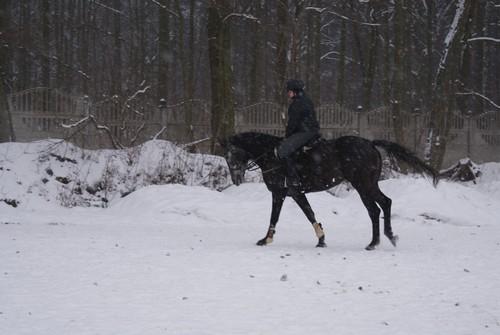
x=255, y=143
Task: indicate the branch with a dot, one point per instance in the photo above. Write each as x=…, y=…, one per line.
x=245, y=16
x=164, y=7
x=76, y=124
x=108, y=8
x=481, y=96
x=336, y=53
x=316, y=9
x=144, y=90
x=491, y=39
x=352, y=20
x=155, y=137
x=195, y=142
x=137, y=132
x=91, y=119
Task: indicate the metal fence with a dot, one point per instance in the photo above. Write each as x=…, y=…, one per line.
x=40, y=113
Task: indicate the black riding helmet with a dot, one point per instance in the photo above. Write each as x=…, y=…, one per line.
x=295, y=85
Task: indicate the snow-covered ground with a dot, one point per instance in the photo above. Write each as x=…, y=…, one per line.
x=182, y=259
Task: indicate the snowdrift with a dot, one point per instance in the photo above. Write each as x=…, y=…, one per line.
x=63, y=174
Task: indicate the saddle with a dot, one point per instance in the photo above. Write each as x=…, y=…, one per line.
x=308, y=157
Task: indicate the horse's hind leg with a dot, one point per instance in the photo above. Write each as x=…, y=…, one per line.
x=374, y=213
x=301, y=200
x=385, y=203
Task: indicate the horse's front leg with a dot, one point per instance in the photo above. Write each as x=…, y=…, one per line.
x=301, y=200
x=278, y=198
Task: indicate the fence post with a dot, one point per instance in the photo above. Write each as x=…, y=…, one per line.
x=359, y=110
x=91, y=141
x=416, y=114
x=162, y=108
x=468, y=118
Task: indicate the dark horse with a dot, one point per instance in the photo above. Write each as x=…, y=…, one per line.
x=321, y=166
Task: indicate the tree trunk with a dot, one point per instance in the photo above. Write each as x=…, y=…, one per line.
x=6, y=133
x=398, y=81
x=371, y=67
x=45, y=56
x=219, y=52
x=117, y=52
x=386, y=81
x=312, y=73
x=164, y=53
x=185, y=72
x=72, y=81
x=341, y=84
x=190, y=85
x=479, y=55
x=295, y=44
x=281, y=50
x=367, y=54
x=59, y=27
x=444, y=83
x=256, y=74
x=429, y=42
x=84, y=44
x=25, y=60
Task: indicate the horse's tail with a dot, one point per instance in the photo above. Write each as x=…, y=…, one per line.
x=401, y=153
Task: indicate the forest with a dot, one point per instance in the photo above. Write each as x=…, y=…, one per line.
x=435, y=57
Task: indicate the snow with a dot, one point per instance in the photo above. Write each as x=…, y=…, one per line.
x=182, y=259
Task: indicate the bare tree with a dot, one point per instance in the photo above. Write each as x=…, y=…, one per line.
x=219, y=47
x=164, y=52
x=6, y=133
x=445, y=82
x=399, y=80
x=281, y=48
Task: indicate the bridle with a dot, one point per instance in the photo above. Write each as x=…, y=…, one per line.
x=253, y=166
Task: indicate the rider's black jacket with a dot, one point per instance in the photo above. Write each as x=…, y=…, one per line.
x=301, y=116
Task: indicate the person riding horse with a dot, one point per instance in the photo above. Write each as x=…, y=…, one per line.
x=302, y=127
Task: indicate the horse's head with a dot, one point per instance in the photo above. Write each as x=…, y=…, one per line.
x=236, y=159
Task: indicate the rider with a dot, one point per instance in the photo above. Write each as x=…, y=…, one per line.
x=301, y=128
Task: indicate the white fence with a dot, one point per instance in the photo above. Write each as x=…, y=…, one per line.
x=40, y=113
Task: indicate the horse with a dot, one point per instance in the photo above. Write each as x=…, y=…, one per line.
x=321, y=166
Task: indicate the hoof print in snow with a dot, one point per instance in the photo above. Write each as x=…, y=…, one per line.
x=284, y=277
x=63, y=159
x=63, y=180
x=11, y=202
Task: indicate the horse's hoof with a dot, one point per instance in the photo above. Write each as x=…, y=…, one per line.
x=265, y=241
x=321, y=242
x=371, y=247
x=394, y=240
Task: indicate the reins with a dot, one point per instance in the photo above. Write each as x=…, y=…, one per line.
x=253, y=166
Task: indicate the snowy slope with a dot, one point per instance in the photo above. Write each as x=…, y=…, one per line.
x=181, y=259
